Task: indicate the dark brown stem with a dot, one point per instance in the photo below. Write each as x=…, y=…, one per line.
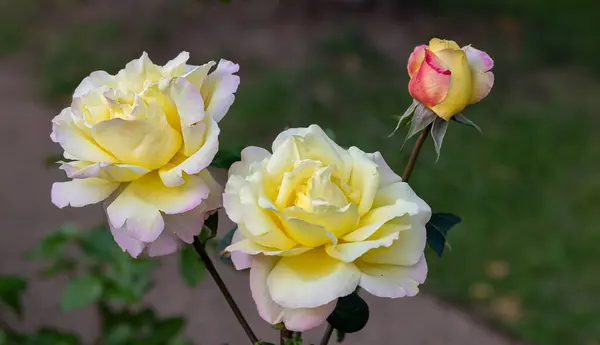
x=210, y=267
x=415, y=154
x=327, y=335
x=285, y=334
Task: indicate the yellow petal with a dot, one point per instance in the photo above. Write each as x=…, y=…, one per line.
x=75, y=142
x=338, y=221
x=459, y=92
x=172, y=173
x=436, y=44
x=82, y=192
x=365, y=178
x=106, y=171
x=406, y=250
x=392, y=281
x=348, y=252
x=148, y=143
x=302, y=171
x=311, y=280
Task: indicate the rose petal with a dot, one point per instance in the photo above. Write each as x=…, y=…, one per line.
x=106, y=171
x=386, y=175
x=431, y=83
x=311, y=280
x=436, y=45
x=482, y=85
x=149, y=143
x=392, y=281
x=416, y=59
x=479, y=61
x=365, y=178
x=261, y=268
x=304, y=319
x=406, y=250
x=81, y=192
x=172, y=174
x=241, y=261
x=348, y=252
x=219, y=87
x=459, y=91
x=75, y=142
x=167, y=243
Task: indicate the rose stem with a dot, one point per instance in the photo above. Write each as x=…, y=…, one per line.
x=327, y=335
x=285, y=334
x=410, y=166
x=210, y=267
x=415, y=153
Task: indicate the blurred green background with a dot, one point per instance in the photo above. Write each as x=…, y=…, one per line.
x=526, y=255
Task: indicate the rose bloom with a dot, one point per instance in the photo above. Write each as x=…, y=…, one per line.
x=446, y=78
x=142, y=140
x=315, y=221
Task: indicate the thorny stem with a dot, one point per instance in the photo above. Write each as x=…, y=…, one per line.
x=410, y=166
x=210, y=267
x=415, y=154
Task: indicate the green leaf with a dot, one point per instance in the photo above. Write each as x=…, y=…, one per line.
x=437, y=228
x=224, y=243
x=438, y=132
x=422, y=118
x=52, y=337
x=12, y=288
x=99, y=244
x=406, y=117
x=226, y=157
x=59, y=266
x=81, y=292
x=350, y=315
x=119, y=335
x=53, y=245
x=460, y=118
x=190, y=266
x=166, y=330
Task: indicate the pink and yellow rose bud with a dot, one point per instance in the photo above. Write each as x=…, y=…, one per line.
x=446, y=78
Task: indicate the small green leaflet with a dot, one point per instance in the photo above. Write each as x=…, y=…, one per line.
x=81, y=292
x=224, y=243
x=190, y=266
x=11, y=290
x=437, y=228
x=350, y=315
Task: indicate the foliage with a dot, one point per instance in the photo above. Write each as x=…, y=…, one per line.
x=437, y=229
x=350, y=315
x=101, y=275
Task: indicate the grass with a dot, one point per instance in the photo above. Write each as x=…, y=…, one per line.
x=526, y=252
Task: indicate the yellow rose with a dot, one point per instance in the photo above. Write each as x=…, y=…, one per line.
x=144, y=138
x=316, y=220
x=446, y=78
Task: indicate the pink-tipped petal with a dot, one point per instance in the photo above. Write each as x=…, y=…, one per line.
x=430, y=84
x=167, y=243
x=304, y=319
x=416, y=59
x=241, y=261
x=270, y=311
x=482, y=85
x=81, y=192
x=127, y=243
x=479, y=61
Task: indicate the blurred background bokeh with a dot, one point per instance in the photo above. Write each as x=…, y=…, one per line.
x=524, y=264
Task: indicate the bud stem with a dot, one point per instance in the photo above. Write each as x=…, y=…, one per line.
x=210, y=267
x=415, y=154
